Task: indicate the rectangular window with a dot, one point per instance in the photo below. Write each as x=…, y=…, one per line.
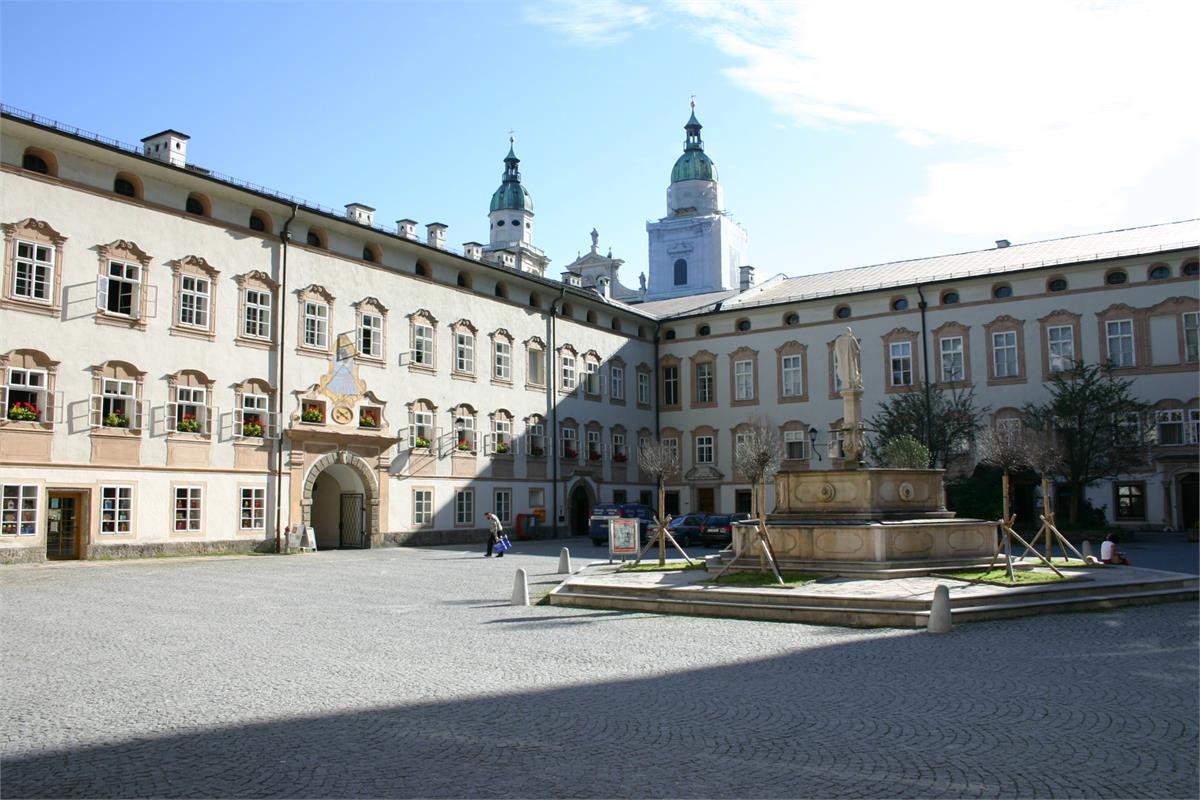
x=568, y=372
x=671, y=386
x=18, y=510
x=618, y=446
x=1061, y=343
x=316, y=325
x=704, y=449
x=502, y=367
x=188, y=508
x=257, y=323
x=422, y=506
x=536, y=367
x=252, y=416
x=743, y=380
x=537, y=498
x=1170, y=426
x=792, y=376
x=592, y=380
x=116, y=509
x=537, y=439
x=616, y=381
x=643, y=388
x=254, y=509
x=952, y=359
x=901, y=363
x=120, y=289
x=502, y=432
x=795, y=445
x=464, y=507
x=740, y=441
x=194, y=296
x=672, y=446
x=704, y=382
x=570, y=443
x=464, y=429
x=1004, y=354
x=421, y=429
x=422, y=345
x=118, y=407
x=26, y=397
x=1131, y=500
x=33, y=272
x=370, y=335
x=191, y=410
x=593, y=446
x=464, y=353
x=502, y=504
x=1119, y=335
x=1191, y=336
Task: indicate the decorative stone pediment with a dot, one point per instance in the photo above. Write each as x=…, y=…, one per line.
x=703, y=473
x=371, y=302
x=36, y=227
x=422, y=313
x=319, y=291
x=196, y=263
x=256, y=276
x=125, y=247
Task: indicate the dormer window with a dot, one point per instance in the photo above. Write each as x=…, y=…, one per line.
x=257, y=223
x=124, y=186
x=197, y=204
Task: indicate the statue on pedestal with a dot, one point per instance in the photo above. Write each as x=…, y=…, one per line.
x=848, y=352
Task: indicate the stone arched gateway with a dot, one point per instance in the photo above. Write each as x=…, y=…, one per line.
x=366, y=477
x=581, y=496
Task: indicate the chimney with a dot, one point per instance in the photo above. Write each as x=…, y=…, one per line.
x=169, y=146
x=473, y=251
x=1002, y=243
x=602, y=284
x=508, y=259
x=357, y=212
x=745, y=277
x=407, y=228
x=435, y=235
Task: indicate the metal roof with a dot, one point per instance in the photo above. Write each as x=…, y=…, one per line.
x=691, y=304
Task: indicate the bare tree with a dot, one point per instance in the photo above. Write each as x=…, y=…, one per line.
x=1010, y=448
x=659, y=461
x=757, y=457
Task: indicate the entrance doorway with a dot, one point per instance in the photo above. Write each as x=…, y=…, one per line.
x=580, y=508
x=339, y=508
x=64, y=525
x=706, y=499
x=351, y=526
x=1189, y=501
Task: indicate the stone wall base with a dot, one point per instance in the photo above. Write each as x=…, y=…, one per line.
x=22, y=555
x=151, y=549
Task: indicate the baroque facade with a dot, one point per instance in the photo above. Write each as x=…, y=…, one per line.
x=194, y=363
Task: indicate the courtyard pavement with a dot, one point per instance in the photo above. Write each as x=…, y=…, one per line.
x=406, y=673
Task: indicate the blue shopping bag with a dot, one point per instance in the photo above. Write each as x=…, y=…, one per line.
x=503, y=545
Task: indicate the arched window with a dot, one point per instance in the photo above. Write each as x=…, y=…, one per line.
x=643, y=331
x=949, y=298
x=534, y=300
x=681, y=276
x=463, y=280
x=615, y=324
x=591, y=316
x=842, y=312
x=370, y=253
x=703, y=330
x=900, y=304
x=313, y=239
x=791, y=319
x=1057, y=284
x=670, y=334
x=258, y=221
x=743, y=324
x=197, y=204
x=41, y=161
x=1191, y=268
x=501, y=291
x=127, y=185
x=1001, y=291
x=422, y=270
x=1160, y=272
x=1116, y=277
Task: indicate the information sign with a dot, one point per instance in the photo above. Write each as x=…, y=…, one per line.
x=623, y=536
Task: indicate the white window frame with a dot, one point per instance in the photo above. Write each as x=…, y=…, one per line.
x=535, y=366
x=195, y=301
x=1060, y=347
x=20, y=509
x=502, y=360
x=119, y=273
x=422, y=506
x=422, y=344
x=795, y=445
x=1173, y=418
x=502, y=434
x=591, y=380
x=672, y=445
x=257, y=515
x=705, y=449
x=536, y=434
x=193, y=518
x=791, y=371
x=1191, y=336
x=953, y=359
x=567, y=364
x=743, y=380
x=592, y=439
x=113, y=390
x=1118, y=339
x=39, y=272
x=1004, y=345
x=256, y=313
x=671, y=385
x=464, y=429
x=643, y=388
x=193, y=396
x=464, y=507
x=370, y=334
x=27, y=380
x=115, y=500
x=705, y=375
x=1191, y=426
x=616, y=382
x=421, y=421
x=502, y=504
x=316, y=324
x=569, y=440
x=256, y=404
x=618, y=445
x=464, y=353
x=900, y=362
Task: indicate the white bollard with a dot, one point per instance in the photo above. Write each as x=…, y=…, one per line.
x=1085, y=550
x=564, y=562
x=520, y=595
x=939, y=610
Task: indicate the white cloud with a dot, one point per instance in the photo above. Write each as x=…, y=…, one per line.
x=1070, y=104
x=593, y=23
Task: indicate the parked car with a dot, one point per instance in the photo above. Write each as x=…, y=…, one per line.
x=603, y=512
x=686, y=528
x=718, y=528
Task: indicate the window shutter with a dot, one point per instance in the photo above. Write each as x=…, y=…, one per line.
x=3, y=402
x=56, y=413
x=172, y=411
x=102, y=293
x=272, y=431
x=96, y=411
x=136, y=412
x=206, y=420
x=238, y=417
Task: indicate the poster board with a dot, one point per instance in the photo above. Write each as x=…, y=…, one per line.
x=623, y=536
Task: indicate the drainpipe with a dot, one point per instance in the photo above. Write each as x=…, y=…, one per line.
x=925, y=366
x=552, y=388
x=654, y=381
x=284, y=236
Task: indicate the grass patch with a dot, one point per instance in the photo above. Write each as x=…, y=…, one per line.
x=999, y=577
x=765, y=579
x=670, y=566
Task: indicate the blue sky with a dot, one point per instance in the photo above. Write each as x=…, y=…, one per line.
x=844, y=133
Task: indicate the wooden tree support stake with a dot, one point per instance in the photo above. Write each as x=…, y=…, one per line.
x=661, y=539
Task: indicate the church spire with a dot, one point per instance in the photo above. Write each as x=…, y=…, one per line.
x=693, y=127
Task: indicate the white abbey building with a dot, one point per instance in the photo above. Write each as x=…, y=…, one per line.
x=189, y=363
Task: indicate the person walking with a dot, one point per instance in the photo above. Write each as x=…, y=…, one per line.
x=494, y=534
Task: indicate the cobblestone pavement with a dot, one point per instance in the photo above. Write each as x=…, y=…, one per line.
x=405, y=673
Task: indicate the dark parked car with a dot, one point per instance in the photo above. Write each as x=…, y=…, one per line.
x=603, y=512
x=718, y=528
x=686, y=529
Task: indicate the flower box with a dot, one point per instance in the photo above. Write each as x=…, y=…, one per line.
x=569, y=453
x=368, y=418
x=314, y=414
x=252, y=426
x=537, y=452
x=188, y=424
x=463, y=445
x=23, y=412
x=501, y=447
x=116, y=419
x=620, y=458
x=594, y=455
x=421, y=441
